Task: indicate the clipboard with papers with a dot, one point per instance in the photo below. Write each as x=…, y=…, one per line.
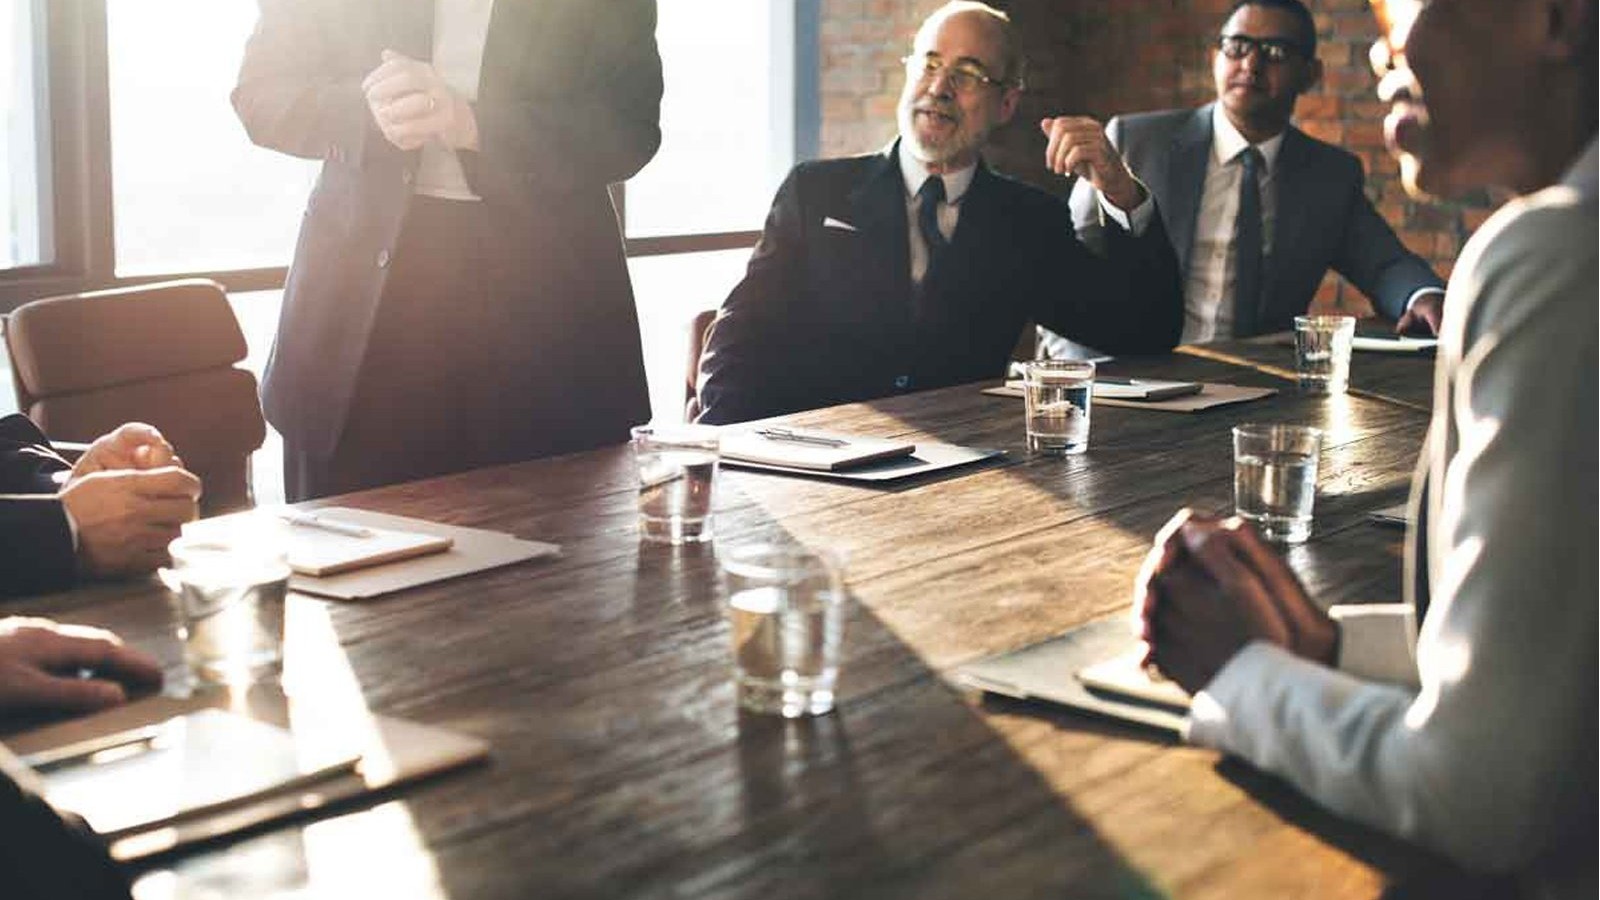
x=398, y=552
x=794, y=448
x=166, y=773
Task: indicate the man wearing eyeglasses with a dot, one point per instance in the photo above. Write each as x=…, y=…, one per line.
x=917, y=267
x=1257, y=210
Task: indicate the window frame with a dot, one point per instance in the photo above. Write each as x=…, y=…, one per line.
x=76, y=95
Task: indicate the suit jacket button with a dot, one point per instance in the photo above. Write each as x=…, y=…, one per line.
x=383, y=259
x=902, y=381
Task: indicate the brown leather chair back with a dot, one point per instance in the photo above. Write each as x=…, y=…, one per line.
x=159, y=353
x=699, y=334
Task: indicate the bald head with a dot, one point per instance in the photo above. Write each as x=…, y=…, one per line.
x=988, y=18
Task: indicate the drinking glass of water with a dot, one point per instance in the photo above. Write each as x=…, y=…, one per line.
x=228, y=593
x=786, y=609
x=677, y=473
x=1275, y=478
x=1322, y=353
x=1057, y=394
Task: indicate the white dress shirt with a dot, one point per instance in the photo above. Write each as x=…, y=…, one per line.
x=948, y=214
x=460, y=30
x=1483, y=749
x=1209, y=283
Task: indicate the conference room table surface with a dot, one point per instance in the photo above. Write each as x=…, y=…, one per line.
x=621, y=767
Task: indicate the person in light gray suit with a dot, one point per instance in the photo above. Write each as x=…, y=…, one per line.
x=1252, y=263
x=1465, y=720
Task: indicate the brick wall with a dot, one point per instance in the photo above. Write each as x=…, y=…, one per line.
x=1103, y=57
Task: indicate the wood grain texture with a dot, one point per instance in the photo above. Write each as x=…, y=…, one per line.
x=621, y=767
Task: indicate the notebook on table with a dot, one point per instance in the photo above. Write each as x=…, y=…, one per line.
x=797, y=448
x=1093, y=669
x=1208, y=396
x=165, y=773
x=439, y=551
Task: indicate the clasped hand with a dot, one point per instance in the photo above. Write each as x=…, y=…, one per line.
x=413, y=105
x=1210, y=586
x=129, y=496
x=1078, y=146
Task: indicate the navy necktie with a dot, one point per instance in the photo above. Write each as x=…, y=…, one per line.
x=930, y=195
x=1247, y=251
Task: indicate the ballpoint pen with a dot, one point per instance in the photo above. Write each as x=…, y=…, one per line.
x=784, y=434
x=311, y=520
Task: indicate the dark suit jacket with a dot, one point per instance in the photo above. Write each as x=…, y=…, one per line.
x=568, y=102
x=36, y=553
x=1324, y=219
x=826, y=315
x=45, y=857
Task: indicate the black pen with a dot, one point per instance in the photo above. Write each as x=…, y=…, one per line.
x=784, y=434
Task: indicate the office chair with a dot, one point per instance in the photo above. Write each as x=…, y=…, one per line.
x=699, y=334
x=158, y=353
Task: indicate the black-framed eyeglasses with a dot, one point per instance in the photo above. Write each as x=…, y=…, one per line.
x=1272, y=50
x=962, y=77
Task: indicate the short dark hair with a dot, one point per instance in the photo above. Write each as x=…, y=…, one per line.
x=1306, y=25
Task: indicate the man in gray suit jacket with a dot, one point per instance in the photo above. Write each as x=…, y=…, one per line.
x=1468, y=724
x=1253, y=251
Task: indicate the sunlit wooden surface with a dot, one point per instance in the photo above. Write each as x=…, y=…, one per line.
x=621, y=767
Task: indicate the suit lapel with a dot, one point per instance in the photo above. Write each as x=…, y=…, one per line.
x=878, y=211
x=1186, y=172
x=1292, y=178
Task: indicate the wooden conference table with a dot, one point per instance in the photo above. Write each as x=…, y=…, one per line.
x=621, y=768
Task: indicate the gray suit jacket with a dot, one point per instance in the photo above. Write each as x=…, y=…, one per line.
x=1489, y=754
x=1324, y=218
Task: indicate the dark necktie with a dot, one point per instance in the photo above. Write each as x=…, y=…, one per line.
x=930, y=195
x=1247, y=246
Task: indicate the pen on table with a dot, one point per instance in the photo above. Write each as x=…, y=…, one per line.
x=1107, y=379
x=311, y=520
x=784, y=434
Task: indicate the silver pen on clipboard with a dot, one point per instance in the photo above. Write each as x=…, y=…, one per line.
x=312, y=520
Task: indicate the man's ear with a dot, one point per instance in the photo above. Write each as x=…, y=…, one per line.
x=1311, y=75
x=1008, y=103
x=1569, y=29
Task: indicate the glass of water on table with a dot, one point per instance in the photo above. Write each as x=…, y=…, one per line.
x=786, y=607
x=1057, y=395
x=228, y=593
x=1275, y=478
x=677, y=473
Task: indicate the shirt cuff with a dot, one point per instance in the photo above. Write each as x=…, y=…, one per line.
x=72, y=526
x=1207, y=722
x=1419, y=293
x=1378, y=641
x=1133, y=221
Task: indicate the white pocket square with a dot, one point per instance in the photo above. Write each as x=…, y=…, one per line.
x=831, y=222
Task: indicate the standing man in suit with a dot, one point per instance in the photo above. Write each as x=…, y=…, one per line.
x=112, y=514
x=1254, y=249
x=459, y=296
x=1473, y=733
x=916, y=267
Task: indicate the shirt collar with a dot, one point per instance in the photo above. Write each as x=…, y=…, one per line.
x=1582, y=175
x=1227, y=142
x=915, y=173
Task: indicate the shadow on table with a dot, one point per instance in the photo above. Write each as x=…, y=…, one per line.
x=1422, y=875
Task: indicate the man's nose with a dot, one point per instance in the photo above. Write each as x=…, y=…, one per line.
x=939, y=84
x=1251, y=61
